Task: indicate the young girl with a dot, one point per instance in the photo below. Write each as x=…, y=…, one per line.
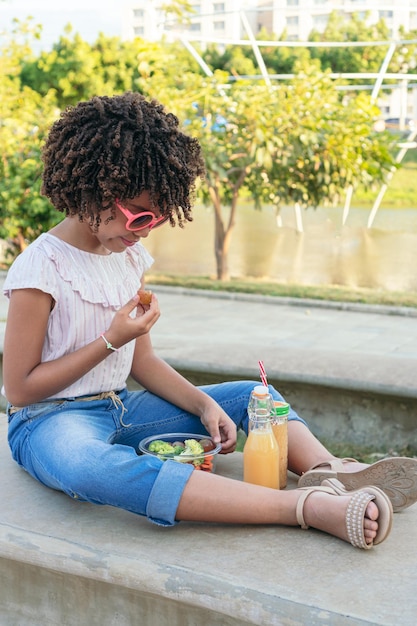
x=119, y=167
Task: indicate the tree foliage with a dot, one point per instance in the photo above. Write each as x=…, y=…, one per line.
x=338, y=59
x=318, y=156
x=180, y=10
x=76, y=70
x=345, y=59
x=24, y=118
x=300, y=142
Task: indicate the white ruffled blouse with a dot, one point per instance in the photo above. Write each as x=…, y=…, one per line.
x=87, y=289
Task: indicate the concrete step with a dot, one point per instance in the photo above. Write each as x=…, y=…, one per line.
x=72, y=563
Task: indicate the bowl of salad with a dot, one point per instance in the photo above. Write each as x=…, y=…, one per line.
x=198, y=450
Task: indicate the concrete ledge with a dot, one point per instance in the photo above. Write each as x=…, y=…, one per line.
x=368, y=420
x=65, y=562
x=381, y=309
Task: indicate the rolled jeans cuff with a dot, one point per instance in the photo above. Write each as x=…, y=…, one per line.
x=167, y=491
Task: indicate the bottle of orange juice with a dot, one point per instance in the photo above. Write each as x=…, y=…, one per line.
x=280, y=430
x=261, y=452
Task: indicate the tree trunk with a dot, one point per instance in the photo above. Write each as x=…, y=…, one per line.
x=222, y=271
x=222, y=234
x=21, y=241
x=221, y=257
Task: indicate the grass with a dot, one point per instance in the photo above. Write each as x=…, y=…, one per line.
x=401, y=192
x=364, y=454
x=317, y=292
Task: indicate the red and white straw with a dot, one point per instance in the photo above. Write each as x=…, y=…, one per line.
x=263, y=373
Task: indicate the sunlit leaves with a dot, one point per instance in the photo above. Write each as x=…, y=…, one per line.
x=24, y=119
x=299, y=142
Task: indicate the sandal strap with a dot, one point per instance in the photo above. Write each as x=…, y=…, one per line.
x=355, y=516
x=299, y=510
x=305, y=493
x=336, y=464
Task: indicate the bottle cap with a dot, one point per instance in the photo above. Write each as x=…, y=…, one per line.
x=261, y=390
x=281, y=408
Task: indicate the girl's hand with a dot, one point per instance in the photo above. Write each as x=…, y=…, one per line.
x=221, y=427
x=124, y=328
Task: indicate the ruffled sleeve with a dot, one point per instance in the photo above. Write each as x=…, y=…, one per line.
x=31, y=270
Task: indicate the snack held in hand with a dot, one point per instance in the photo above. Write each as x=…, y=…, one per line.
x=145, y=297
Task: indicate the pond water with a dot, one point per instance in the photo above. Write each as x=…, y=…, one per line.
x=325, y=253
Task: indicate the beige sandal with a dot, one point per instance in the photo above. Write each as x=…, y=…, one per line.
x=396, y=476
x=356, y=510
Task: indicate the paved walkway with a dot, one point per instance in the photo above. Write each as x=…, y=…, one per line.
x=349, y=346
x=360, y=347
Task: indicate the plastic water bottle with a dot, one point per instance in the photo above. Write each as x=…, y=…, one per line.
x=280, y=430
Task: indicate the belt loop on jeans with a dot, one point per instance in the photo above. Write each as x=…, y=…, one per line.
x=14, y=409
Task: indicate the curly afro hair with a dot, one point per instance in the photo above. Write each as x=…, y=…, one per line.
x=111, y=148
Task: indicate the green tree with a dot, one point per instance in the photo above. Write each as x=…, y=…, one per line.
x=167, y=61
x=328, y=143
x=298, y=143
x=24, y=118
x=232, y=59
x=77, y=70
x=279, y=59
x=345, y=59
x=405, y=56
x=178, y=11
x=226, y=124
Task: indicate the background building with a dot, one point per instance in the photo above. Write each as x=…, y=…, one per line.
x=300, y=17
x=212, y=19
x=209, y=21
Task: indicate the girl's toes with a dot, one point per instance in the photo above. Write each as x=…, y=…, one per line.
x=371, y=512
x=371, y=515
x=369, y=534
x=370, y=525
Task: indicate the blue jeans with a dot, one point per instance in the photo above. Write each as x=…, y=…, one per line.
x=88, y=449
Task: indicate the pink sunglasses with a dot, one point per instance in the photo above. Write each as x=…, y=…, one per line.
x=138, y=221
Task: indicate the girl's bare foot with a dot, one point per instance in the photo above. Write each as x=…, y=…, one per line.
x=363, y=517
x=327, y=512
